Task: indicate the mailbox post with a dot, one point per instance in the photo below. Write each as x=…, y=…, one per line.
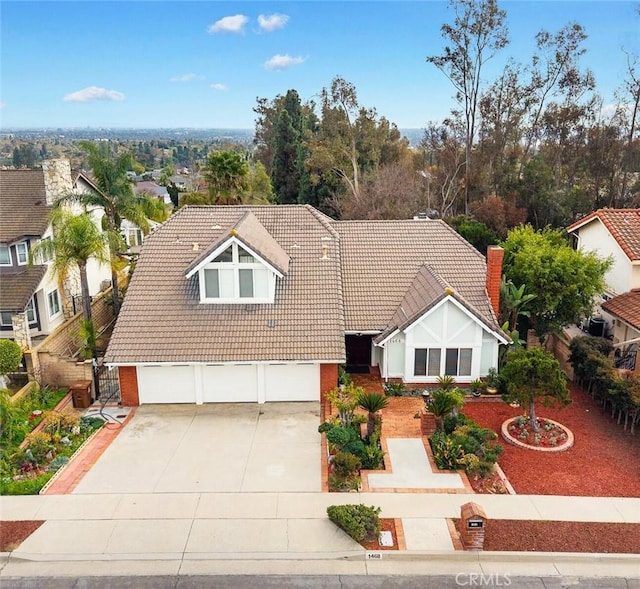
x=472, y=523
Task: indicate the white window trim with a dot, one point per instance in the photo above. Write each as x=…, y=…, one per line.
x=10, y=324
x=235, y=266
x=443, y=361
x=54, y=315
x=26, y=253
x=10, y=256
x=44, y=258
x=31, y=306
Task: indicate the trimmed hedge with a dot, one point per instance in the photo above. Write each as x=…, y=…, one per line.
x=362, y=523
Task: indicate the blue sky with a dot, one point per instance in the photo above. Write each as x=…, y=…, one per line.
x=202, y=64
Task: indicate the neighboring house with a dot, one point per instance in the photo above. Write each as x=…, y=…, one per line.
x=153, y=190
x=33, y=299
x=615, y=233
x=264, y=303
x=625, y=310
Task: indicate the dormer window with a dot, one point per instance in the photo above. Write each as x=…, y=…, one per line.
x=22, y=253
x=241, y=267
x=5, y=255
x=235, y=275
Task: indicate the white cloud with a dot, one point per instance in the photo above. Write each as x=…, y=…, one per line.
x=219, y=87
x=282, y=62
x=186, y=78
x=272, y=22
x=93, y=93
x=229, y=24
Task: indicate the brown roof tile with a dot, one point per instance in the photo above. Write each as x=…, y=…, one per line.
x=23, y=208
x=382, y=258
x=623, y=224
x=625, y=306
x=162, y=320
x=17, y=288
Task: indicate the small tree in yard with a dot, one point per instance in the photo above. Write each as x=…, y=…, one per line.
x=534, y=374
x=10, y=357
x=345, y=400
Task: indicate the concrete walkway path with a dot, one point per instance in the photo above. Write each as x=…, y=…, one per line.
x=410, y=469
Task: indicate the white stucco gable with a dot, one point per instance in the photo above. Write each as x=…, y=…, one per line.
x=446, y=339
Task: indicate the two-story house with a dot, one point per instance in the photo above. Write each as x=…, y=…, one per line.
x=615, y=233
x=34, y=300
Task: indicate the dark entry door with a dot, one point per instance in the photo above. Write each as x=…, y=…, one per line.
x=358, y=350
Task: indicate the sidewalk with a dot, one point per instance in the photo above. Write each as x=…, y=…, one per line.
x=215, y=533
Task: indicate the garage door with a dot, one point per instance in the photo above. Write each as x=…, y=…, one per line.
x=166, y=384
x=229, y=384
x=292, y=382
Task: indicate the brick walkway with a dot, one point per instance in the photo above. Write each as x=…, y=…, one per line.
x=73, y=472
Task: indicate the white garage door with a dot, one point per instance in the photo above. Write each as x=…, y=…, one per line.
x=292, y=382
x=166, y=384
x=229, y=384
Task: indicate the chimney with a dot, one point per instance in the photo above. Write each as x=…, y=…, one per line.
x=57, y=179
x=495, y=254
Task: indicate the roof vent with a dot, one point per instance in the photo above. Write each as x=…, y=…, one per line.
x=271, y=323
x=196, y=247
x=325, y=253
x=295, y=246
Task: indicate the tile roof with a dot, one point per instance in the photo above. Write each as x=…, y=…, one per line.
x=376, y=274
x=23, y=208
x=625, y=306
x=623, y=224
x=248, y=230
x=162, y=319
x=380, y=260
x=17, y=288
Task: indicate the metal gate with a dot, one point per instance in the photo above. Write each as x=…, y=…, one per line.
x=108, y=384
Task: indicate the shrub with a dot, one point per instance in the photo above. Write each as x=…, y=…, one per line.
x=339, y=483
x=59, y=422
x=394, y=389
x=372, y=457
x=451, y=422
x=446, y=452
x=344, y=378
x=28, y=486
x=10, y=356
x=360, y=522
x=346, y=464
x=345, y=400
x=340, y=436
x=40, y=444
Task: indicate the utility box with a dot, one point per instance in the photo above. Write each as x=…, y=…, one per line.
x=81, y=394
x=473, y=521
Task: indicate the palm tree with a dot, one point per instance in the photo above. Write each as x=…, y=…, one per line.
x=118, y=199
x=442, y=403
x=226, y=174
x=372, y=403
x=76, y=240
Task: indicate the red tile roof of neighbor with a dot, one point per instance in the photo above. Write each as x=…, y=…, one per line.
x=337, y=276
x=623, y=224
x=625, y=306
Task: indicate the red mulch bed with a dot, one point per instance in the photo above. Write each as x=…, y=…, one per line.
x=13, y=533
x=552, y=536
x=603, y=462
x=386, y=525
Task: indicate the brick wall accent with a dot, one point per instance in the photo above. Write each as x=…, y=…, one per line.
x=328, y=377
x=495, y=255
x=129, y=386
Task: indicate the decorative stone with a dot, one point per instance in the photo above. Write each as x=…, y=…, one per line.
x=21, y=333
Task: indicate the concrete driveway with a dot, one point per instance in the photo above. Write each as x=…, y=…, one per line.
x=234, y=447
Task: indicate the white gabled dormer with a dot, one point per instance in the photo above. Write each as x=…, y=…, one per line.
x=241, y=267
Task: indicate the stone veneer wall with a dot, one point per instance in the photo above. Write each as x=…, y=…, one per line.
x=57, y=179
x=21, y=333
